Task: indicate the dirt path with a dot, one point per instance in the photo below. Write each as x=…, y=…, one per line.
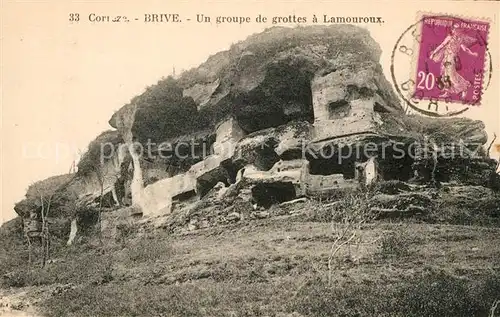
x=18, y=303
x=16, y=313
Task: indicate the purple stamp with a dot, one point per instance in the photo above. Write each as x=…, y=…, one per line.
x=451, y=59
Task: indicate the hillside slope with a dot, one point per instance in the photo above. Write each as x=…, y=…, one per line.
x=278, y=266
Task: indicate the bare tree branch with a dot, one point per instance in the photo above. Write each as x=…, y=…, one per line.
x=492, y=141
x=494, y=307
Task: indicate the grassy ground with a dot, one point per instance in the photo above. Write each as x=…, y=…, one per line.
x=274, y=267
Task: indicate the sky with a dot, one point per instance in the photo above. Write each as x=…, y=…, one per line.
x=61, y=81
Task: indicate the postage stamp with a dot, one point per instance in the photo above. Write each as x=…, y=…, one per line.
x=450, y=62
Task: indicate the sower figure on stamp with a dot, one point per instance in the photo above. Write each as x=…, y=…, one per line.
x=448, y=54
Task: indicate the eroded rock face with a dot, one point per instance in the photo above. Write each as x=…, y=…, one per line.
x=450, y=203
x=265, y=81
x=279, y=117
x=291, y=95
x=266, y=99
x=265, y=148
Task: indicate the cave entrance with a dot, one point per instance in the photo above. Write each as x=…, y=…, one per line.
x=267, y=194
x=184, y=196
x=396, y=164
x=329, y=163
x=332, y=166
x=266, y=157
x=204, y=186
x=285, y=95
x=231, y=169
x=225, y=173
x=338, y=109
x=261, y=155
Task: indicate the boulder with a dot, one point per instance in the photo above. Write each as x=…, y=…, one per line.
x=406, y=204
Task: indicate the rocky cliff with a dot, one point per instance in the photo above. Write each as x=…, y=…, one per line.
x=285, y=114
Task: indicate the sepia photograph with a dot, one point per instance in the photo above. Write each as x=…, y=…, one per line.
x=250, y=158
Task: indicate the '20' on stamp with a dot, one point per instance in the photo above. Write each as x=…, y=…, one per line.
x=451, y=59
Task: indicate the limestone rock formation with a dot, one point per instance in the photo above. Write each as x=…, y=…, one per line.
x=43, y=196
x=285, y=114
x=310, y=73
x=262, y=101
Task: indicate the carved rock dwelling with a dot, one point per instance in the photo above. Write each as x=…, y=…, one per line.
x=285, y=114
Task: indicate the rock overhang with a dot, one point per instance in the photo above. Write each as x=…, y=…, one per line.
x=283, y=95
x=264, y=81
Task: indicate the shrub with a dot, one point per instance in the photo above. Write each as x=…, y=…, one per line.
x=317, y=298
x=435, y=294
x=148, y=250
x=394, y=245
x=19, y=278
x=438, y=294
x=91, y=160
x=345, y=207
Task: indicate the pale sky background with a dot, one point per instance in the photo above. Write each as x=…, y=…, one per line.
x=61, y=82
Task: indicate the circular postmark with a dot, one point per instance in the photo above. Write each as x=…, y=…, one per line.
x=441, y=65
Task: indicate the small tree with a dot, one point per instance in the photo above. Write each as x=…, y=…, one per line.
x=494, y=307
x=348, y=214
x=497, y=148
x=100, y=177
x=45, y=233
x=30, y=249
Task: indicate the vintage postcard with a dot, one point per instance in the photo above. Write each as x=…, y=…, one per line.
x=250, y=158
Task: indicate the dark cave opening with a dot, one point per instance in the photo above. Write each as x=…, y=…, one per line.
x=394, y=161
x=266, y=157
x=207, y=182
x=184, y=196
x=330, y=162
x=285, y=95
x=267, y=194
x=356, y=92
x=448, y=170
x=338, y=109
x=203, y=187
x=379, y=108
x=107, y=200
x=87, y=220
x=292, y=154
x=396, y=164
x=231, y=169
x=332, y=166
